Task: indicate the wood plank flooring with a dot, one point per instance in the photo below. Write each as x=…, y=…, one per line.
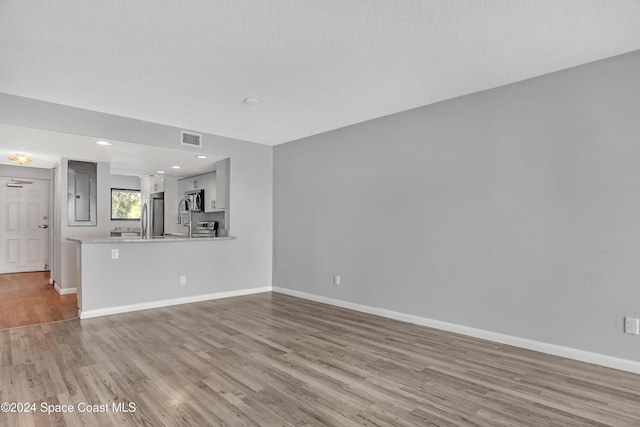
x=28, y=298
x=275, y=360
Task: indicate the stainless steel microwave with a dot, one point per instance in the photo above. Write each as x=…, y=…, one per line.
x=195, y=200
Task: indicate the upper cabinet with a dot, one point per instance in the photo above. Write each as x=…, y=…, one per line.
x=209, y=187
x=222, y=184
x=156, y=184
x=193, y=183
x=182, y=187
x=150, y=184
x=216, y=187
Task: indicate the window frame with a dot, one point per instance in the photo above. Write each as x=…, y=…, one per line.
x=132, y=190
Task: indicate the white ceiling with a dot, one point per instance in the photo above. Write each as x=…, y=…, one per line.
x=46, y=148
x=314, y=65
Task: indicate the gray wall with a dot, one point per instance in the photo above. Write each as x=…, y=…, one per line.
x=66, y=271
x=150, y=271
x=248, y=260
x=515, y=210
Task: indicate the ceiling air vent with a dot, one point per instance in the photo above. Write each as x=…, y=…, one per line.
x=191, y=139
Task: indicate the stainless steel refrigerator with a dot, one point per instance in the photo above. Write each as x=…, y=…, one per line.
x=153, y=216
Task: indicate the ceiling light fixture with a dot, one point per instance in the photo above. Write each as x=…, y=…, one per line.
x=21, y=159
x=103, y=142
x=160, y=172
x=201, y=156
x=251, y=101
x=175, y=167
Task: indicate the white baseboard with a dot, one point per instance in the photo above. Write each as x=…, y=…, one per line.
x=65, y=291
x=556, y=350
x=87, y=314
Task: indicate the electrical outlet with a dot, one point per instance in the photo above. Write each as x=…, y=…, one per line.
x=631, y=325
x=114, y=254
x=336, y=280
x=183, y=280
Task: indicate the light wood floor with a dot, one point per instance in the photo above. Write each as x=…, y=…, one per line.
x=28, y=298
x=274, y=360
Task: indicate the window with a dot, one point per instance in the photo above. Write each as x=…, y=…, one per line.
x=125, y=204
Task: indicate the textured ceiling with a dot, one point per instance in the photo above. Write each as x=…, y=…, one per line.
x=314, y=65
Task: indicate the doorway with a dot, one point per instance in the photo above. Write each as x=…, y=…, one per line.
x=26, y=294
x=24, y=222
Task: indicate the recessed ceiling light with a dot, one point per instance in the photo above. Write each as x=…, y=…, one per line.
x=201, y=156
x=251, y=101
x=175, y=167
x=103, y=142
x=160, y=172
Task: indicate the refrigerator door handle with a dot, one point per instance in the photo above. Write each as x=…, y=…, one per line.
x=144, y=218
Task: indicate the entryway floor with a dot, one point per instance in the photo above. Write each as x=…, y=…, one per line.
x=29, y=299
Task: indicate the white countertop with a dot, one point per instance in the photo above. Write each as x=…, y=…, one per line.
x=163, y=239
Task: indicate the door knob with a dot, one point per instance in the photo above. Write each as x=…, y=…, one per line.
x=43, y=226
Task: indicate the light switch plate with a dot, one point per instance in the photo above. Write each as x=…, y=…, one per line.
x=114, y=254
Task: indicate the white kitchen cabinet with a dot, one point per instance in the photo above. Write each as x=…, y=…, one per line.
x=157, y=184
x=189, y=184
x=209, y=186
x=216, y=187
x=181, y=188
x=150, y=184
x=222, y=184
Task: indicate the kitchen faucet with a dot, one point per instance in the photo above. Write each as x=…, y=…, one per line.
x=186, y=221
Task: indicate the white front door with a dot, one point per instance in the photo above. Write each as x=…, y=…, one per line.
x=24, y=222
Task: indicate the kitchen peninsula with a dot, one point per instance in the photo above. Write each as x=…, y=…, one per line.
x=121, y=274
